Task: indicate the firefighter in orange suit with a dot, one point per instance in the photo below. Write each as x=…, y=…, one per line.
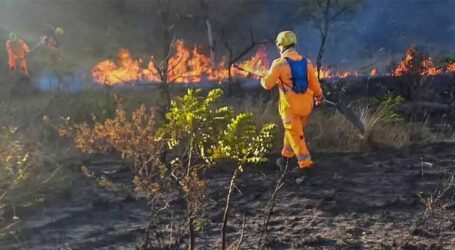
x=17, y=51
x=300, y=92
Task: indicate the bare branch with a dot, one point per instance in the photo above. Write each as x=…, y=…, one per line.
x=168, y=55
x=242, y=233
x=3, y=195
x=248, y=49
x=341, y=11
x=272, y=203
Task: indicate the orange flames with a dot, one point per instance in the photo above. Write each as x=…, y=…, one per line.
x=191, y=66
x=126, y=70
x=415, y=62
x=451, y=67
x=258, y=64
x=374, y=72
x=331, y=73
x=188, y=66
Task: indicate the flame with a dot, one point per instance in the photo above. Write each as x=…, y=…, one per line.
x=110, y=73
x=257, y=65
x=416, y=63
x=332, y=73
x=189, y=65
x=150, y=73
x=186, y=65
x=451, y=67
x=429, y=67
x=403, y=67
x=374, y=72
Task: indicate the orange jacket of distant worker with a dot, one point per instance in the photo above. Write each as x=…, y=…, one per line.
x=294, y=108
x=17, y=51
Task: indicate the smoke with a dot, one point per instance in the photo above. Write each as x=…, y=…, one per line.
x=386, y=27
x=396, y=24
x=97, y=29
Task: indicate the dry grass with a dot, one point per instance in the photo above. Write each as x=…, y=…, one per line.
x=30, y=151
x=26, y=175
x=264, y=109
x=329, y=131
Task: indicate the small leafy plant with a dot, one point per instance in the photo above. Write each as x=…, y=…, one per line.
x=199, y=134
x=191, y=130
x=242, y=142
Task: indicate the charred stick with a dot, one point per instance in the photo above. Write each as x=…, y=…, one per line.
x=272, y=203
x=246, y=71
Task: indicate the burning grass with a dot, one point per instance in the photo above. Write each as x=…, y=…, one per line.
x=191, y=65
x=186, y=65
x=417, y=62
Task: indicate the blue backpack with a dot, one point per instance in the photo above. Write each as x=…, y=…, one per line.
x=299, y=75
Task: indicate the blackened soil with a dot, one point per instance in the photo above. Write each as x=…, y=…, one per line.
x=350, y=201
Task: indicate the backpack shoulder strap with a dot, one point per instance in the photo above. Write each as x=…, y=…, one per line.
x=290, y=62
x=299, y=74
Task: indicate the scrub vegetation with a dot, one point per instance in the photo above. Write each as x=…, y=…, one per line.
x=26, y=177
x=150, y=129
x=196, y=135
x=171, y=155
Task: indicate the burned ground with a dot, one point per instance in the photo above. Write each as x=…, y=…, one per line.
x=353, y=201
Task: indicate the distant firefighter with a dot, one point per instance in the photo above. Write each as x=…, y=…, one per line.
x=52, y=38
x=51, y=41
x=17, y=51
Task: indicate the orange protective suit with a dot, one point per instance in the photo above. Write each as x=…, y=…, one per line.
x=294, y=108
x=17, y=50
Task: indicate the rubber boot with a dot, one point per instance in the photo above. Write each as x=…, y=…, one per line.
x=305, y=174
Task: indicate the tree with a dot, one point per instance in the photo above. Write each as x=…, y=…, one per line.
x=323, y=14
x=232, y=60
x=208, y=24
x=165, y=13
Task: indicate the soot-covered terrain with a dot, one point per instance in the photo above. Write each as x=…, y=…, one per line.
x=353, y=200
